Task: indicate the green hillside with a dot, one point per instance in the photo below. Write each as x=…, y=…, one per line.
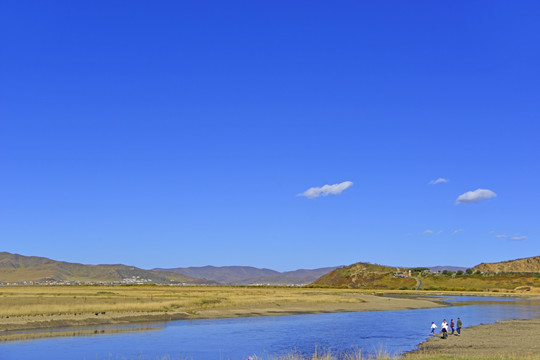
x=18, y=268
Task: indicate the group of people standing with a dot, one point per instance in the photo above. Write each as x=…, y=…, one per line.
x=445, y=327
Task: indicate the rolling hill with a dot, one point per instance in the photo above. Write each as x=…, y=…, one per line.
x=366, y=275
x=247, y=275
x=525, y=265
x=19, y=268
x=512, y=275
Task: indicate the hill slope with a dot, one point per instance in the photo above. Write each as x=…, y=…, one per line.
x=18, y=268
x=247, y=275
x=365, y=275
x=529, y=265
x=516, y=275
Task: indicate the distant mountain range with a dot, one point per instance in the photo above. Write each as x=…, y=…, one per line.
x=19, y=268
x=446, y=267
x=16, y=268
x=246, y=275
x=34, y=269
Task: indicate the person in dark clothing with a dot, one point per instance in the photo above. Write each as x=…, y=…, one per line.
x=459, y=325
x=452, y=325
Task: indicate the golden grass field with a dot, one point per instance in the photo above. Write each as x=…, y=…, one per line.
x=68, y=300
x=42, y=300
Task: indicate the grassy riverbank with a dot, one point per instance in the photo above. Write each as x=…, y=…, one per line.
x=512, y=339
x=39, y=307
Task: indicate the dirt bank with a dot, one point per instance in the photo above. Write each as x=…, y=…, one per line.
x=512, y=339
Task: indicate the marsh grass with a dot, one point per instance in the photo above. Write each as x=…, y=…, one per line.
x=76, y=300
x=353, y=355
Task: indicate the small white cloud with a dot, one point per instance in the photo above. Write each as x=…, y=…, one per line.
x=501, y=236
x=475, y=196
x=438, y=181
x=428, y=232
x=455, y=232
x=335, y=189
x=492, y=232
x=439, y=232
x=518, y=238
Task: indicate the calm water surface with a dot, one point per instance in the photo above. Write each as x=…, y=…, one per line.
x=393, y=331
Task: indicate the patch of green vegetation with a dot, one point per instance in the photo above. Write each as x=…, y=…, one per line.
x=210, y=301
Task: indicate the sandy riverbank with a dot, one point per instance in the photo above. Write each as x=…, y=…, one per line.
x=363, y=302
x=512, y=339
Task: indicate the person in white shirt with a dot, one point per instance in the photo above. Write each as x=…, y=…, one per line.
x=433, y=327
x=444, y=329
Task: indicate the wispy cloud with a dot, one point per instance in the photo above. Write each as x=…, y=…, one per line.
x=515, y=237
x=428, y=232
x=475, y=196
x=438, y=181
x=324, y=190
x=455, y=232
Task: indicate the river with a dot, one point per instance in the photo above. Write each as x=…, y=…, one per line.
x=221, y=339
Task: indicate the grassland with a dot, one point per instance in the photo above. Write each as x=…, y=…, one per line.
x=35, y=307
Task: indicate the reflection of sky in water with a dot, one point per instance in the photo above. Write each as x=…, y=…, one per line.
x=395, y=331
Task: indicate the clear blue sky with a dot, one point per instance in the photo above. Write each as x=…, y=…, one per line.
x=179, y=133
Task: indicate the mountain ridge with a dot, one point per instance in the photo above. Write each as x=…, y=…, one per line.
x=21, y=268
x=249, y=275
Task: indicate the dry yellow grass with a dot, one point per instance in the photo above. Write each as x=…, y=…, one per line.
x=40, y=300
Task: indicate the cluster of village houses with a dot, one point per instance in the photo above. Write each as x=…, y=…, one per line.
x=136, y=280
